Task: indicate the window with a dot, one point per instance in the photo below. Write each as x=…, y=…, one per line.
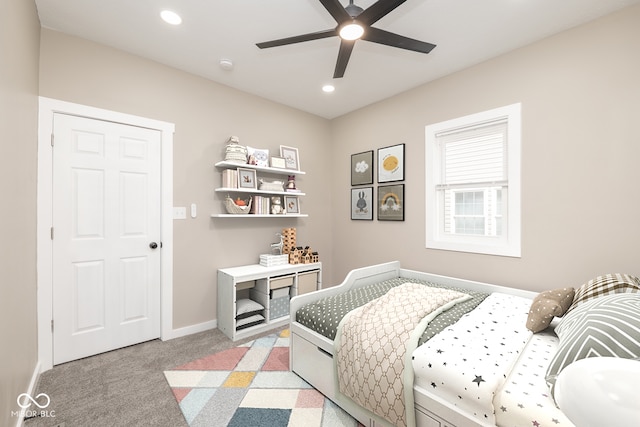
x=473, y=183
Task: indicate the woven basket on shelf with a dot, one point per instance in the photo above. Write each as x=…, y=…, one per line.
x=232, y=208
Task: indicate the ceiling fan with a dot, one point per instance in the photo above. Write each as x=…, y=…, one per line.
x=355, y=23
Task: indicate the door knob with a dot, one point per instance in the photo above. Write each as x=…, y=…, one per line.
x=153, y=245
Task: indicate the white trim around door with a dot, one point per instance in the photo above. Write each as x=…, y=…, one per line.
x=47, y=108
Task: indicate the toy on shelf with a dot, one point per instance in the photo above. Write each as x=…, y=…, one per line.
x=234, y=152
x=304, y=255
x=288, y=239
x=297, y=254
x=276, y=248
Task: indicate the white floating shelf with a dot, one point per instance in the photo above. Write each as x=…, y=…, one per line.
x=254, y=191
x=258, y=216
x=232, y=165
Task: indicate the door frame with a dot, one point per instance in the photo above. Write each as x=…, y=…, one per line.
x=47, y=108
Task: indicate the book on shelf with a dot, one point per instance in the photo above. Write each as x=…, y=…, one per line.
x=260, y=205
x=230, y=178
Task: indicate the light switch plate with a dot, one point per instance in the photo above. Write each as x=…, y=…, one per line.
x=179, y=212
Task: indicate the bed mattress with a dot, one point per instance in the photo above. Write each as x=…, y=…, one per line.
x=468, y=362
x=524, y=399
x=324, y=315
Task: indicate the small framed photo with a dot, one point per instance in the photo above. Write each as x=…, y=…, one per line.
x=247, y=178
x=391, y=163
x=290, y=155
x=291, y=205
x=258, y=157
x=362, y=168
x=391, y=202
x=278, y=162
x=362, y=203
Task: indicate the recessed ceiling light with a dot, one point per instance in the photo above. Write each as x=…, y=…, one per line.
x=328, y=88
x=226, y=64
x=170, y=17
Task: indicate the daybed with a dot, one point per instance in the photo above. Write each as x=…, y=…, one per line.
x=471, y=358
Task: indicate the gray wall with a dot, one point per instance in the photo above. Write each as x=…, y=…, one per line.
x=205, y=115
x=19, y=39
x=580, y=148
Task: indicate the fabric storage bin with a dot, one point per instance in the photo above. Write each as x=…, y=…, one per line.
x=281, y=282
x=282, y=292
x=307, y=282
x=279, y=307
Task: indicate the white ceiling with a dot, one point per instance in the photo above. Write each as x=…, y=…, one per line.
x=466, y=32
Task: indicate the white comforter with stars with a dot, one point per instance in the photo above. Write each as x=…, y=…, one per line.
x=468, y=362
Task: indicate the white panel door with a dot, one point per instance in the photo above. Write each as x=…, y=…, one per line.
x=106, y=236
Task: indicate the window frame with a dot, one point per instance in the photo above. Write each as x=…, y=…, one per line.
x=509, y=243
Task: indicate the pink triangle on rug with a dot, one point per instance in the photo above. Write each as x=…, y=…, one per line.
x=224, y=361
x=278, y=360
x=180, y=393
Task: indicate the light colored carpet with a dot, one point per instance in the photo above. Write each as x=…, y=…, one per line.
x=126, y=387
x=251, y=386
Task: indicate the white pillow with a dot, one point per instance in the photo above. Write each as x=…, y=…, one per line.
x=246, y=305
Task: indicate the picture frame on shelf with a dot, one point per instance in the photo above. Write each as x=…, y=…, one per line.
x=362, y=204
x=391, y=202
x=247, y=178
x=278, y=162
x=391, y=163
x=362, y=168
x=290, y=154
x=291, y=205
x=258, y=157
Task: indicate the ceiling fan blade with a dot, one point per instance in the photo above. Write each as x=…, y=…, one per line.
x=336, y=10
x=346, y=47
x=298, y=39
x=377, y=10
x=379, y=36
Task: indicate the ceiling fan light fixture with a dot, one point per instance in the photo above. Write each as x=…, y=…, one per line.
x=351, y=31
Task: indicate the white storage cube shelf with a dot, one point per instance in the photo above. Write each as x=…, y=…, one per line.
x=271, y=286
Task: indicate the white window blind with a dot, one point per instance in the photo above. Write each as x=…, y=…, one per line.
x=474, y=155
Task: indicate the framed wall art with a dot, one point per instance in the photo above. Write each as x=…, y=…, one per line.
x=291, y=205
x=362, y=203
x=290, y=156
x=391, y=163
x=391, y=202
x=362, y=168
x=247, y=178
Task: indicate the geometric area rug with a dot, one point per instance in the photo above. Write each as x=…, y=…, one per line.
x=251, y=386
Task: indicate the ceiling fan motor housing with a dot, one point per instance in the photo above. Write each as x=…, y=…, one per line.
x=353, y=10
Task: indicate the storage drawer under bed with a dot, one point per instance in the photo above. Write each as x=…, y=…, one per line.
x=313, y=364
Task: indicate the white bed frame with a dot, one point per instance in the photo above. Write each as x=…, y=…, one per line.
x=311, y=355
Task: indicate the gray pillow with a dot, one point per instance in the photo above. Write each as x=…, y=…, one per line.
x=246, y=305
x=605, y=326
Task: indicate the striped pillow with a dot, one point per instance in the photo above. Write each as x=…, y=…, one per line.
x=607, y=284
x=606, y=326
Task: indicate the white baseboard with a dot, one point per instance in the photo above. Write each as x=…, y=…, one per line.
x=33, y=383
x=188, y=330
